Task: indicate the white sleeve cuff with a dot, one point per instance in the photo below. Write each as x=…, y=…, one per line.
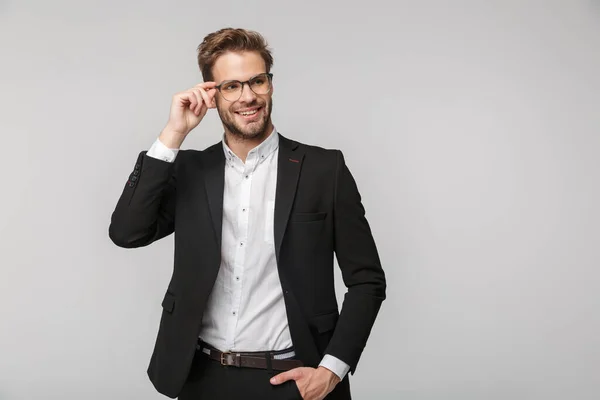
x=162, y=152
x=335, y=365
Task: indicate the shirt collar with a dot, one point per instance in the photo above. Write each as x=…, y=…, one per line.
x=262, y=151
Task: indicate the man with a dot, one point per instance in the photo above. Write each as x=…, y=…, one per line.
x=251, y=311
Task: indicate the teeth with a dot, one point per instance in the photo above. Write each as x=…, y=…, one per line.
x=245, y=113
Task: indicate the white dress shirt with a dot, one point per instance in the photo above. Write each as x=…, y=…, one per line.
x=246, y=309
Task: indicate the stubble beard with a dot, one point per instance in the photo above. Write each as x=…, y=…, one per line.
x=257, y=130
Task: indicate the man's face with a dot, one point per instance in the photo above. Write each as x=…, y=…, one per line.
x=249, y=117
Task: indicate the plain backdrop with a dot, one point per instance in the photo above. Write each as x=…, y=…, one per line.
x=471, y=127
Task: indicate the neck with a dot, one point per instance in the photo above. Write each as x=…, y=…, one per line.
x=242, y=146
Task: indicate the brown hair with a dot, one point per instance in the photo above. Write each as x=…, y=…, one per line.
x=229, y=39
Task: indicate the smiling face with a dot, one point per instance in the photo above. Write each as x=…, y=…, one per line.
x=249, y=117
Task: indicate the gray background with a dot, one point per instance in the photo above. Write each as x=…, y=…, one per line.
x=472, y=131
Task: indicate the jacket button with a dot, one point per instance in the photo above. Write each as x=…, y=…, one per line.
x=133, y=178
x=131, y=184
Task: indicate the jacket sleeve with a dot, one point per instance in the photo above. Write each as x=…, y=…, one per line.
x=145, y=212
x=361, y=269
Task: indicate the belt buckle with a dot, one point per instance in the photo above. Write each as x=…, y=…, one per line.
x=225, y=358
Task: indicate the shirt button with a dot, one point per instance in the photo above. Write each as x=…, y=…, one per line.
x=241, y=243
x=243, y=209
x=247, y=176
x=237, y=278
x=234, y=313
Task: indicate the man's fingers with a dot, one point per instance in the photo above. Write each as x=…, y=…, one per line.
x=198, y=91
x=197, y=109
x=188, y=97
x=211, y=95
x=206, y=85
x=283, y=377
x=210, y=98
x=292, y=374
x=205, y=97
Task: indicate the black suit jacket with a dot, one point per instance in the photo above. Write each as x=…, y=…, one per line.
x=318, y=211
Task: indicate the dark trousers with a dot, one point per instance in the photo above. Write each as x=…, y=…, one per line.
x=209, y=380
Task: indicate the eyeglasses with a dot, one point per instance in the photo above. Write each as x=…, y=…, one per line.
x=259, y=84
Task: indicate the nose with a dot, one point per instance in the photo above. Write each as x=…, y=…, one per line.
x=247, y=96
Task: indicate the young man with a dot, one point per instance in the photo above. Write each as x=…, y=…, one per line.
x=251, y=310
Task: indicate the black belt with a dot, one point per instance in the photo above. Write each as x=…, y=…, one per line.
x=250, y=359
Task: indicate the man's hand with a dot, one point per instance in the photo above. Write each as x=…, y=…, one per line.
x=313, y=383
x=187, y=110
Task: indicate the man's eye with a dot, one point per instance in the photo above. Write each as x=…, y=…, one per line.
x=231, y=86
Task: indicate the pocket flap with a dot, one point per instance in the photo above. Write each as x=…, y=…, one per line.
x=326, y=322
x=168, y=303
x=308, y=217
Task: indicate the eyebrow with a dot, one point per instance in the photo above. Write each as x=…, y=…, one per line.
x=239, y=80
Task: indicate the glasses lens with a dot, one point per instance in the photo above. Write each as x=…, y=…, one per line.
x=261, y=84
x=231, y=90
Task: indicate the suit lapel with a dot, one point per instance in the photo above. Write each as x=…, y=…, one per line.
x=288, y=170
x=214, y=179
x=289, y=164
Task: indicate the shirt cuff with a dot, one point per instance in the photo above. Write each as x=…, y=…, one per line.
x=162, y=152
x=335, y=365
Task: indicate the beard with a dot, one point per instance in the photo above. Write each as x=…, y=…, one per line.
x=248, y=131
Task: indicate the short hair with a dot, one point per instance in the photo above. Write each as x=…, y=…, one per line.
x=225, y=40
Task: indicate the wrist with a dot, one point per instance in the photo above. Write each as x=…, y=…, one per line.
x=331, y=376
x=171, y=139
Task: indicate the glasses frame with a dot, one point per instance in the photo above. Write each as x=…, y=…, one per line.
x=268, y=74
